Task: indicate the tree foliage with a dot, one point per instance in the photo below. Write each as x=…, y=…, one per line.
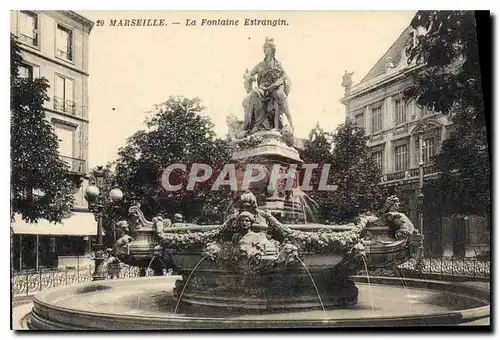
x=352, y=169
x=41, y=185
x=178, y=132
x=450, y=83
x=318, y=146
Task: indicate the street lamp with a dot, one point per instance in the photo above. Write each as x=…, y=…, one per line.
x=421, y=180
x=420, y=198
x=96, y=205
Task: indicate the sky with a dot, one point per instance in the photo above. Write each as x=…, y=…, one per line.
x=133, y=68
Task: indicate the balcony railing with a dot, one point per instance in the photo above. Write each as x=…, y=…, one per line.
x=63, y=105
x=26, y=39
x=76, y=165
x=430, y=169
x=64, y=54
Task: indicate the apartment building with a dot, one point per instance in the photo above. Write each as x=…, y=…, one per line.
x=394, y=128
x=55, y=46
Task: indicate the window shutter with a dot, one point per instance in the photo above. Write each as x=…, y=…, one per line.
x=36, y=72
x=68, y=89
x=59, y=88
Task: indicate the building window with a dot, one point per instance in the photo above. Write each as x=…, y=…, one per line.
x=376, y=119
x=63, y=98
x=64, y=43
x=70, y=246
x=26, y=71
x=378, y=157
x=66, y=135
x=28, y=28
x=359, y=120
x=400, y=111
x=477, y=231
x=401, y=157
x=429, y=150
x=68, y=145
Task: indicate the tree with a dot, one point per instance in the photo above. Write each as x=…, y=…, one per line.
x=450, y=83
x=177, y=133
x=352, y=169
x=318, y=150
x=41, y=185
x=318, y=146
x=356, y=174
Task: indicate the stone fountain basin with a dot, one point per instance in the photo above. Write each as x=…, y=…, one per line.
x=221, y=285
x=140, y=252
x=187, y=260
x=377, y=255
x=148, y=303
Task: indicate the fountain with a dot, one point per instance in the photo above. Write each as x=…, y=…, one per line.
x=255, y=270
x=254, y=262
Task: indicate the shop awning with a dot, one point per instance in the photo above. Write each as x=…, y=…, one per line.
x=79, y=224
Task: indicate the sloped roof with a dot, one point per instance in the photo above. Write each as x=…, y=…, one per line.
x=395, y=51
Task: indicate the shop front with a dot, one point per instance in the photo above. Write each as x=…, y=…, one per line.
x=46, y=245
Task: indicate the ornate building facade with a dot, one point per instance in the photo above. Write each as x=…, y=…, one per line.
x=55, y=46
x=395, y=128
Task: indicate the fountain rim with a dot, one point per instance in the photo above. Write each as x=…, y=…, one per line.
x=465, y=314
x=299, y=226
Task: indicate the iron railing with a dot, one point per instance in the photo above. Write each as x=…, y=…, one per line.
x=64, y=55
x=76, y=165
x=31, y=281
x=443, y=268
x=64, y=105
x=28, y=40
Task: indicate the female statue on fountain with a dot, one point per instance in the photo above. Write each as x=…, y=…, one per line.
x=265, y=104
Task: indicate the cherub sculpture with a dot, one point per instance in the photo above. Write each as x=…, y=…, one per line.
x=236, y=130
x=124, y=238
x=389, y=215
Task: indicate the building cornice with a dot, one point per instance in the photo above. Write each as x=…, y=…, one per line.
x=425, y=125
x=390, y=79
x=53, y=60
x=63, y=114
x=79, y=18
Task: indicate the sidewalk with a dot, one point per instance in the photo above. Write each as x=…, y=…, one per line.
x=480, y=284
x=19, y=314
x=481, y=322
x=21, y=300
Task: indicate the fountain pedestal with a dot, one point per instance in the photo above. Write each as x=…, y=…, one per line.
x=271, y=146
x=272, y=152
x=281, y=290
